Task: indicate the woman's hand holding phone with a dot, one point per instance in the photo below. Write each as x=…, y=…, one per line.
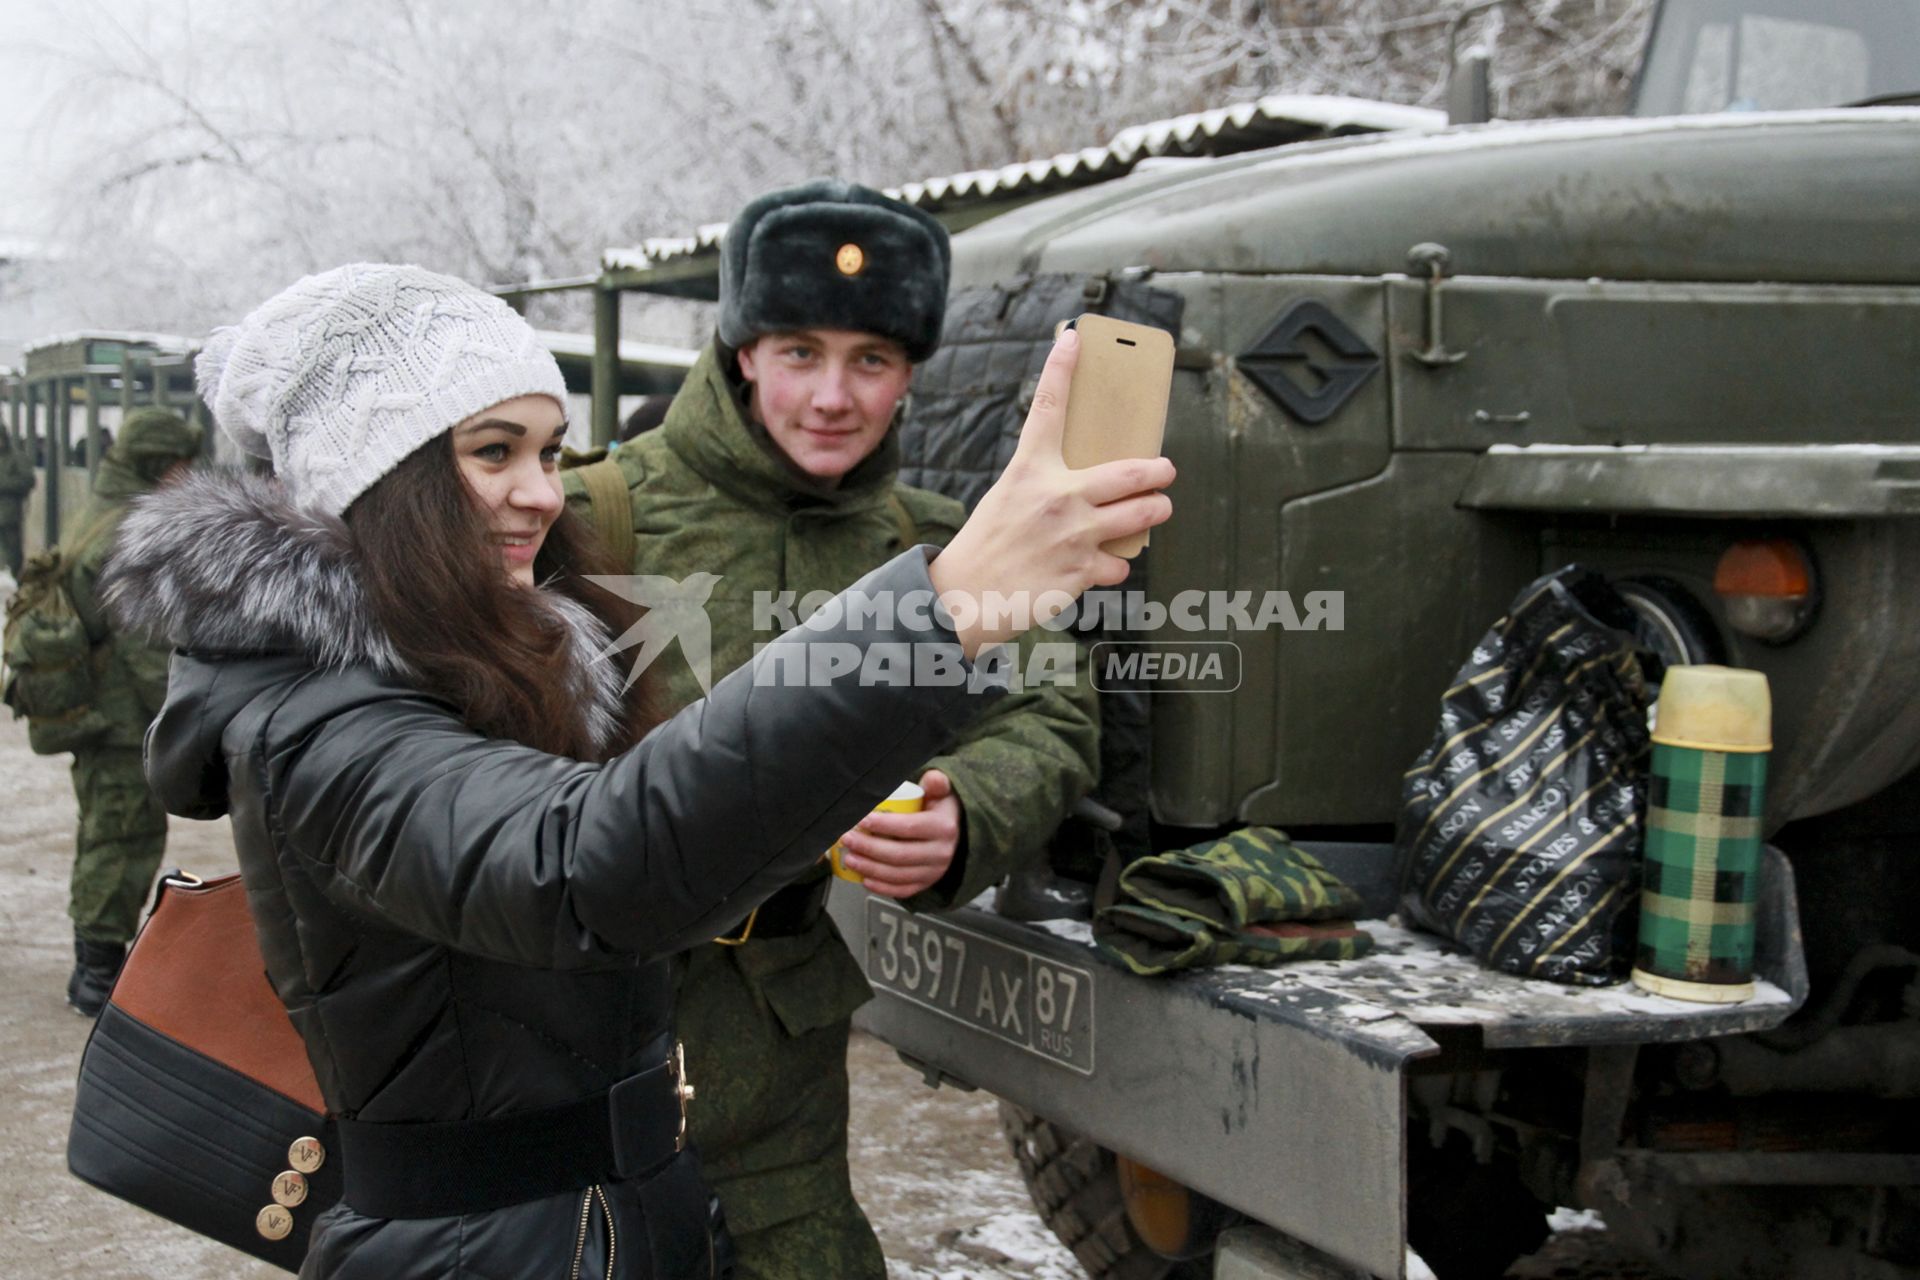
x=1040, y=527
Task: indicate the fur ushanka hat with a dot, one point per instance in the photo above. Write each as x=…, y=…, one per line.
x=834, y=255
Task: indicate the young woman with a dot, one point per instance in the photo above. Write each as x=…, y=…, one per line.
x=466, y=863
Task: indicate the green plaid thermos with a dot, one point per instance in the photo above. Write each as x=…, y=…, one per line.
x=1712, y=731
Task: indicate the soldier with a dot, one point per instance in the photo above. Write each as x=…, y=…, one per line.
x=123, y=830
x=16, y=482
x=775, y=470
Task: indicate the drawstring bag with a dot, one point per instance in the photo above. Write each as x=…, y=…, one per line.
x=1520, y=826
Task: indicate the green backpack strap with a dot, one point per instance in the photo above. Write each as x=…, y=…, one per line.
x=902, y=520
x=609, y=506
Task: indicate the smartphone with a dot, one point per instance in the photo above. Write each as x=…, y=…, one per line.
x=1117, y=403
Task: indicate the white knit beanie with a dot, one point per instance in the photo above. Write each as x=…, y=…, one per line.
x=343, y=374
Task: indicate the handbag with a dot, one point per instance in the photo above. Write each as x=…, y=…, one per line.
x=195, y=1099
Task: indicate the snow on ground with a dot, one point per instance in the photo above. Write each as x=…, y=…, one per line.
x=936, y=1177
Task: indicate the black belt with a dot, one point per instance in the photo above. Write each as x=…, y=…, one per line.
x=790, y=911
x=443, y=1169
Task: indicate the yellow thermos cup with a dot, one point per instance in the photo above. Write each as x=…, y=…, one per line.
x=906, y=798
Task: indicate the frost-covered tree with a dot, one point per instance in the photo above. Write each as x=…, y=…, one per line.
x=215, y=149
x=224, y=148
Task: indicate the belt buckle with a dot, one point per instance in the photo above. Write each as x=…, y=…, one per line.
x=746, y=931
x=682, y=1090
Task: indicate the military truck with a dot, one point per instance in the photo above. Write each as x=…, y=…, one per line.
x=1418, y=368
x=104, y=375
x=1421, y=370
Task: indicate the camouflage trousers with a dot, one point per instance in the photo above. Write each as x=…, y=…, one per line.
x=765, y=1028
x=837, y=1242
x=122, y=836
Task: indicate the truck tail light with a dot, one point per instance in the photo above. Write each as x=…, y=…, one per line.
x=1160, y=1209
x=1767, y=587
x=1170, y=1218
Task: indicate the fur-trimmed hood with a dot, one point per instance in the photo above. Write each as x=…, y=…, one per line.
x=225, y=563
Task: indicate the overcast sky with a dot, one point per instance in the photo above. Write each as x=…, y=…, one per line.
x=28, y=80
x=20, y=98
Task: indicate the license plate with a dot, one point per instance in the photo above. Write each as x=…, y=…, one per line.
x=1041, y=1005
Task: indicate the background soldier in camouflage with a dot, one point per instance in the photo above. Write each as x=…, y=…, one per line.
x=775, y=469
x=123, y=830
x=16, y=482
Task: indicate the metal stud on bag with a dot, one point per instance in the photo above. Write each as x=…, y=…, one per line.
x=306, y=1154
x=275, y=1222
x=290, y=1188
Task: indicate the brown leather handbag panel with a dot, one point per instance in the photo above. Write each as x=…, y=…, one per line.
x=228, y=1011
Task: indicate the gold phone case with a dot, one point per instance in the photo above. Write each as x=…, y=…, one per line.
x=1117, y=404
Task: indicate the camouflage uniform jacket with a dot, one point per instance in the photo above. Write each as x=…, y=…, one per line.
x=129, y=674
x=710, y=492
x=16, y=479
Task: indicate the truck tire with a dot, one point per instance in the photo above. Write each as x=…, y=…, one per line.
x=1077, y=1193
x=1467, y=1220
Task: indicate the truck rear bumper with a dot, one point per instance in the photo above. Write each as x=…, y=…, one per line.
x=1279, y=1092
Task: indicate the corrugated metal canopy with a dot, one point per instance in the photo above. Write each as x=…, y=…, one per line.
x=1246, y=126
x=580, y=346
x=646, y=368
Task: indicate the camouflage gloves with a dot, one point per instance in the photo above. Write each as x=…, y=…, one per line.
x=1150, y=942
x=1248, y=898
x=1252, y=876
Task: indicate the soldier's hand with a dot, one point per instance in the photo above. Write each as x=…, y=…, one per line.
x=1039, y=529
x=901, y=854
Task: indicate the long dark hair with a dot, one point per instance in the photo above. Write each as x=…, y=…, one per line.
x=475, y=638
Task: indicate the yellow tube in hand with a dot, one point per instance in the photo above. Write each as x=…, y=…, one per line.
x=906, y=798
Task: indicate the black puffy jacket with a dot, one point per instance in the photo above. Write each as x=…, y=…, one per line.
x=463, y=927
